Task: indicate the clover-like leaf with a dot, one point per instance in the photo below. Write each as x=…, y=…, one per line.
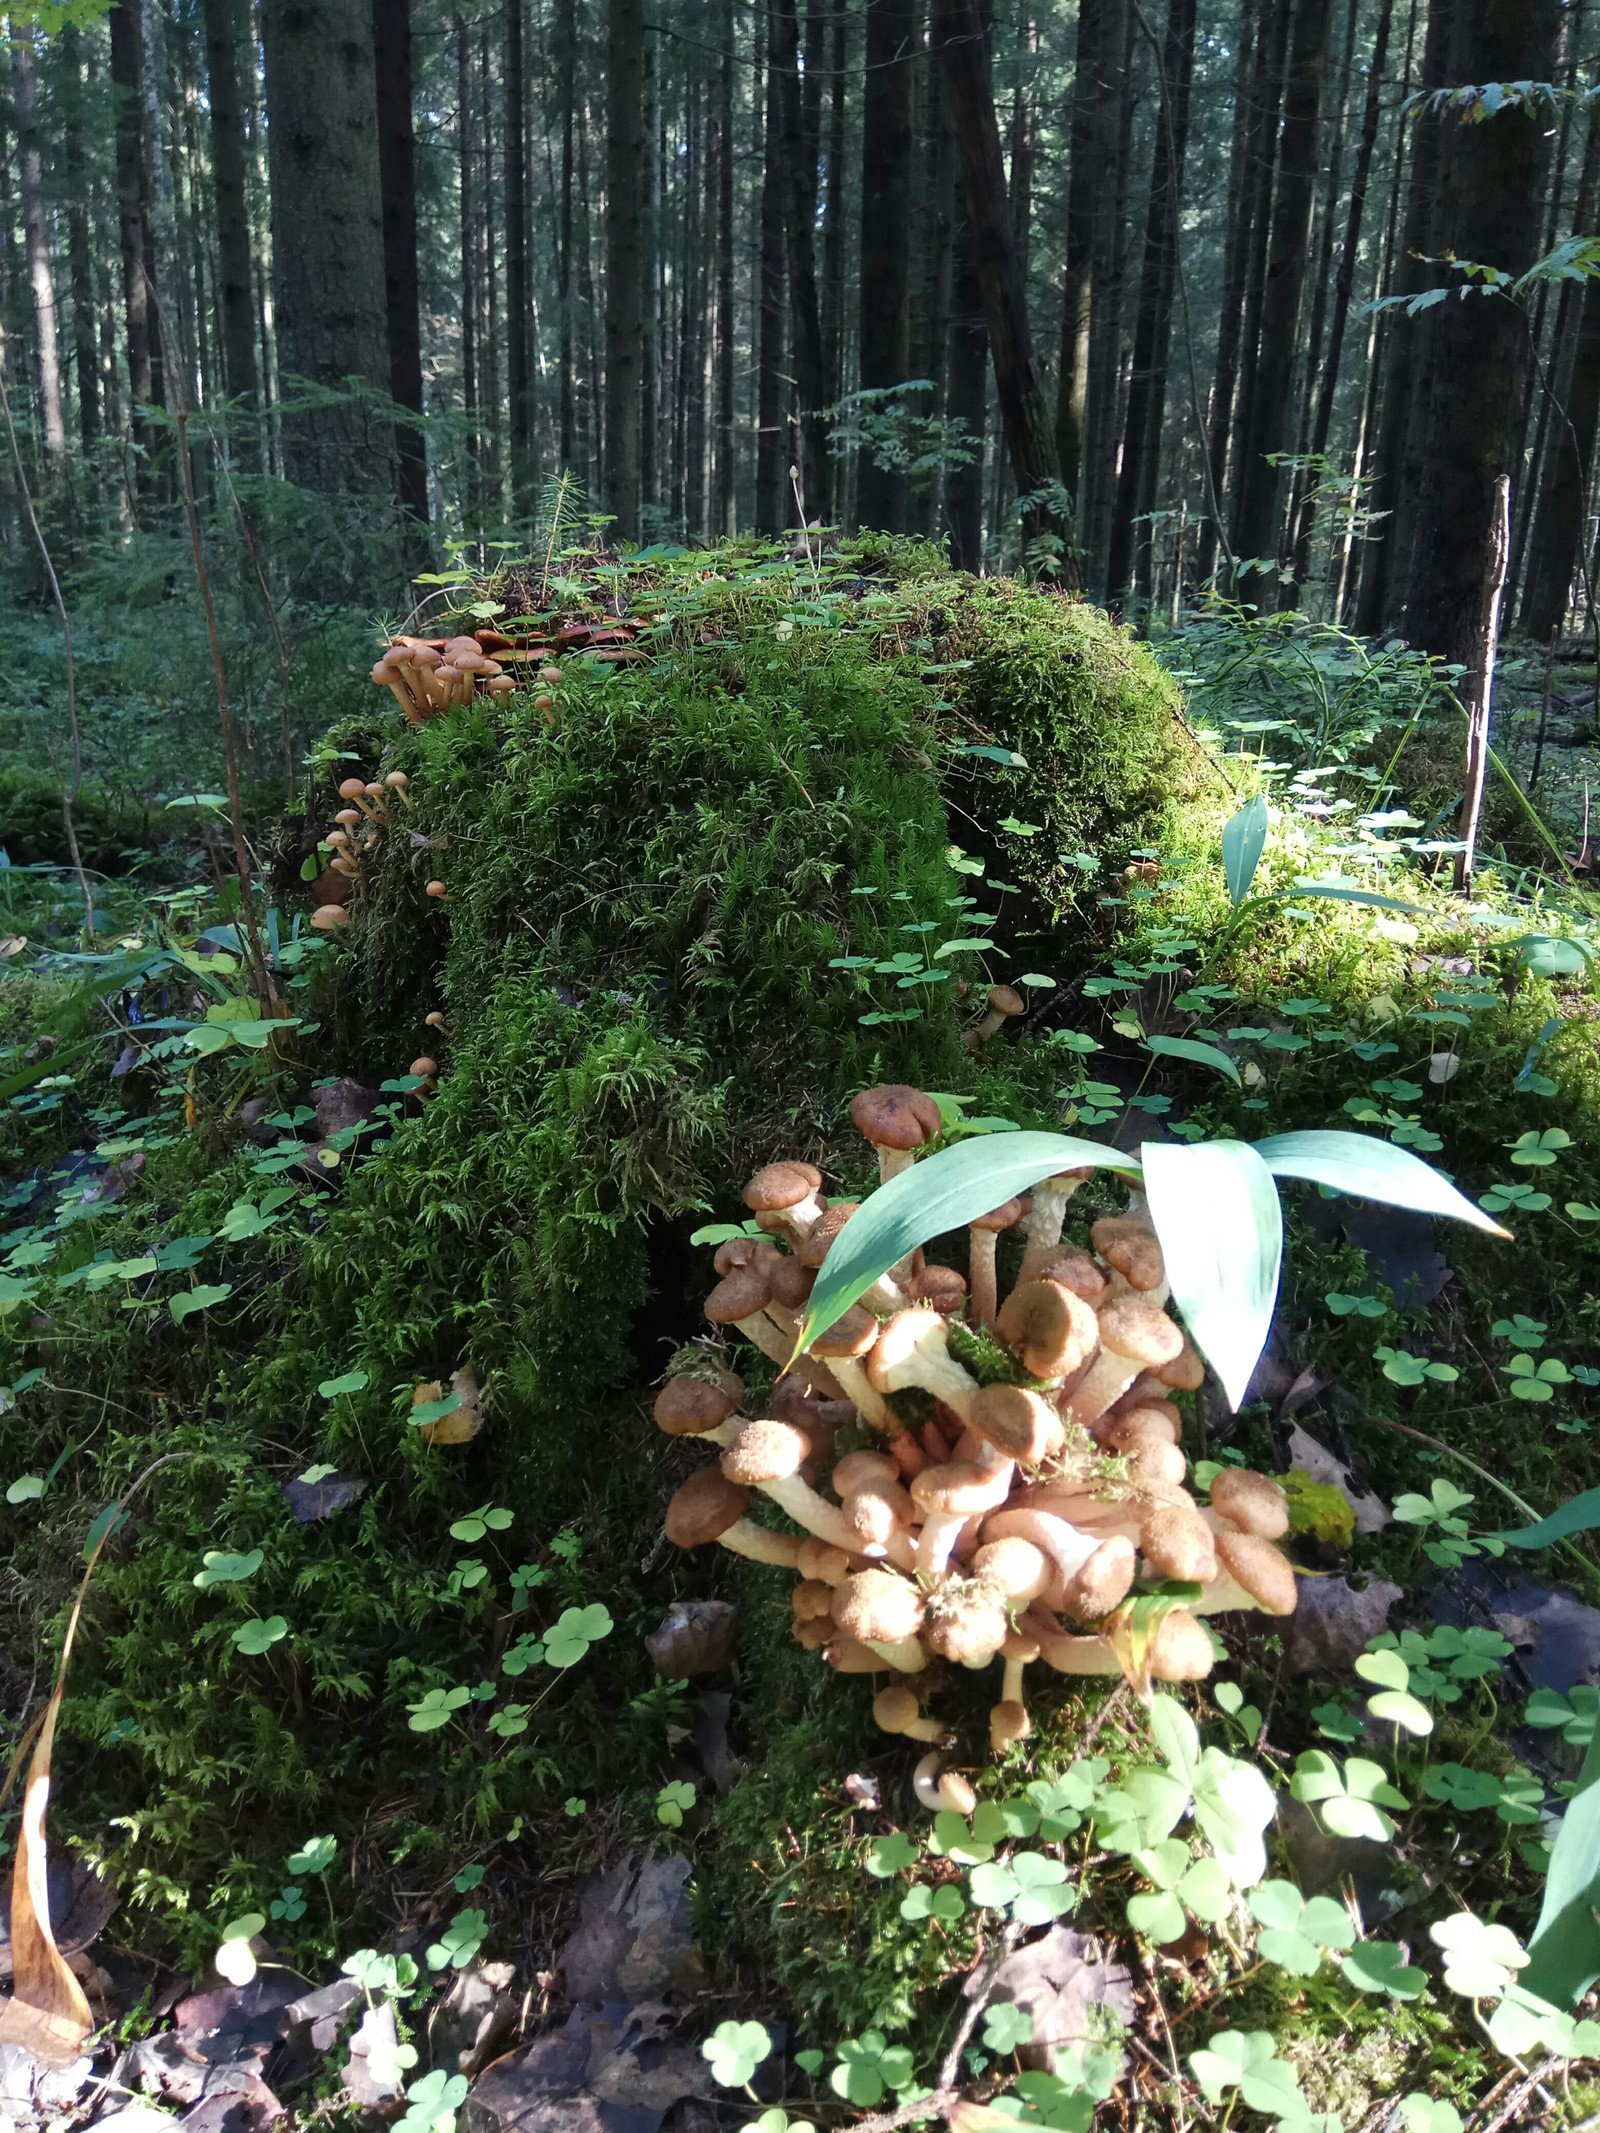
x=219, y=1568
x=459, y=1942
x=315, y=1856
x=1227, y=2057
x=573, y=1633
x=1381, y=1966
x=734, y=2050
x=432, y=2102
x=1428, y=2114
x=673, y=1802
x=890, y=1855
x=27, y=1488
x=259, y=1635
x=868, y=2065
x=1350, y=1799
x=188, y=1301
x=1575, y=1713
x=436, y=1708
x=488, y=1518
x=1480, y=1959
x=235, y=1958
x=1006, y=2027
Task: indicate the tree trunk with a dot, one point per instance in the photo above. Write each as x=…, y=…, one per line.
x=966, y=393
x=36, y=236
x=799, y=173
x=1083, y=182
x=1265, y=118
x=624, y=260
x=772, y=452
x=567, y=39
x=1113, y=126
x=519, y=311
x=1147, y=384
x=1257, y=523
x=467, y=259
x=327, y=235
x=885, y=273
x=230, y=195
x=1322, y=419
x=1491, y=212
x=85, y=353
x=391, y=43
x=650, y=298
x=833, y=223
x=1030, y=437
x=725, y=513
x=1249, y=89
x=1558, y=533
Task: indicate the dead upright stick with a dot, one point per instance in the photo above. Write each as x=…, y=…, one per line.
x=1480, y=682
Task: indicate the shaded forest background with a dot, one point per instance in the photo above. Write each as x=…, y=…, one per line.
x=1152, y=294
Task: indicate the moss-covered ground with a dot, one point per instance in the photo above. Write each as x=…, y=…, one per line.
x=685, y=919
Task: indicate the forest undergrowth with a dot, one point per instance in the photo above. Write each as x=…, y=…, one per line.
x=389, y=1233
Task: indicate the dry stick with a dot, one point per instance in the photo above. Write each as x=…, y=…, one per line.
x=69, y=795
x=1480, y=685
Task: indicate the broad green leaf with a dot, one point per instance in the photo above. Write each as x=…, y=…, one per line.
x=1371, y=1170
x=187, y=1301
x=942, y=1193
x=1206, y=1055
x=1216, y=1212
x=1545, y=955
x=1579, y=1514
x=1244, y=839
x=1564, y=1954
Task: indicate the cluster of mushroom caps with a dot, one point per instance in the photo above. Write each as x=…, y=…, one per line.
x=432, y=675
x=356, y=831
x=1013, y=1466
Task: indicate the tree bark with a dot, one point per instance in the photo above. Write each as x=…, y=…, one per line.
x=391, y=42
x=1491, y=211
x=772, y=443
x=1083, y=182
x=231, y=205
x=1265, y=118
x=1344, y=285
x=966, y=394
x=1257, y=523
x=36, y=236
x=1113, y=127
x=799, y=170
x=1558, y=540
x=833, y=218
x=624, y=260
x=327, y=235
x=85, y=353
x=1249, y=89
x=1147, y=384
x=725, y=512
x=566, y=39
x=1030, y=437
x=519, y=312
x=886, y=174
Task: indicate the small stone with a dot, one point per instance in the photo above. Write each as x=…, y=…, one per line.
x=475, y=2019
x=1333, y=1623
x=344, y=1103
x=694, y=1637
x=318, y=2018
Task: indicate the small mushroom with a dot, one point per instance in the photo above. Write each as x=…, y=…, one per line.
x=897, y=1711
x=983, y=1233
x=941, y=1288
x=1182, y=1650
x=1251, y=1572
x=1102, y=1582
x=1177, y=1543
x=885, y=1612
x=1045, y=1217
x=439, y=892
x=768, y=1456
x=354, y=790
x=1009, y=1722
x=434, y=1021
x=1251, y=1502
x=898, y=1120
x=1134, y=1336
x=910, y=1350
x=947, y=1790
x=328, y=918
x=872, y=1497
x=785, y=1199
x=965, y=1621
x=397, y=781
x=851, y=1337
x=947, y=1497
x=1053, y=1330
x=710, y=1507
x=427, y=1072
x=1016, y=1424
x=1004, y=1002
x=689, y=1407
x=1129, y=1246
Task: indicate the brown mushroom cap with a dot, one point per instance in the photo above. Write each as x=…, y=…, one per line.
x=819, y=1559
x=1138, y=1258
x=328, y=918
x=998, y=1218
x=1017, y=1423
x=1052, y=1328
x=1176, y=1541
x=687, y=1407
x=766, y=1451
x=942, y=1288
x=791, y=1283
x=1264, y=1571
x=860, y=1470
x=1182, y=1650
x=812, y=1632
x=852, y=1334
x=1012, y=1563
x=738, y=1295
x=1008, y=1723
x=965, y=1621
x=353, y=789
x=743, y=1251
x=781, y=1185
x=1187, y=1372
x=1141, y=1331
x=878, y=1607
x=812, y=1601
x=895, y=1708
x=1157, y=1461
x=960, y=1486
x=1103, y=1582
x=706, y=1505
x=1149, y=1423
x=897, y=1116
x=1005, y=1000
x=1073, y=1269
x=1250, y=1501
x=823, y=1231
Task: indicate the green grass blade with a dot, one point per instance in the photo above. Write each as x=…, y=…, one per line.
x=1372, y=1170
x=1565, y=1948
x=1244, y=839
x=1198, y=1054
x=942, y=1193
x=1215, y=1208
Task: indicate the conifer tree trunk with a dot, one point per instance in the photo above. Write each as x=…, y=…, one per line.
x=1249, y=87
x=1147, y=384
x=566, y=40
x=966, y=393
x=327, y=233
x=519, y=311
x=1266, y=114
x=36, y=236
x=1491, y=212
x=1030, y=437
x=624, y=260
x=1083, y=184
x=85, y=352
x=885, y=275
x=230, y=199
x=833, y=224
x=1113, y=128
x=772, y=444
x=1257, y=523
x=799, y=171
x=391, y=43
x=725, y=512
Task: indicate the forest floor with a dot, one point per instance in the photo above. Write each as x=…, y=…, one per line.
x=404, y=1770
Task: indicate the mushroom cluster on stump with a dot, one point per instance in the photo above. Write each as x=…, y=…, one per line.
x=1018, y=1473
x=431, y=675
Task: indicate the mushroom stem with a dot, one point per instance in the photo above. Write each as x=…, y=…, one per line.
x=1011, y=1680
x=934, y=1543
x=761, y=1545
x=1071, y=1655
x=904, y=1654
x=814, y=1512
x=925, y=1782
x=1045, y=1218
x=981, y=1274
x=857, y=1386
